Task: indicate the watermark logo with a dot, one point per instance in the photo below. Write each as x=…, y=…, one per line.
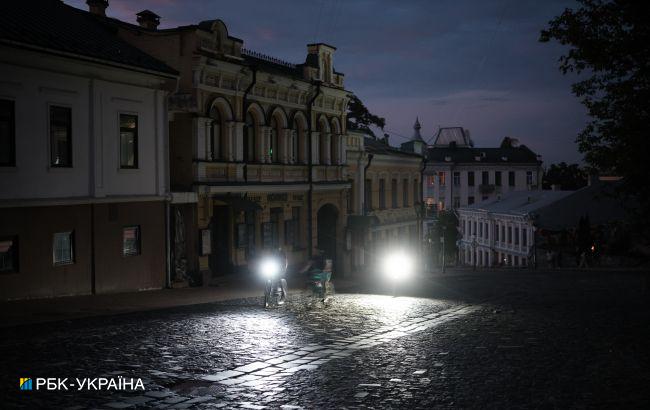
x=25, y=383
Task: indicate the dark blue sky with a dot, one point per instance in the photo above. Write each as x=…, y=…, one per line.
x=475, y=64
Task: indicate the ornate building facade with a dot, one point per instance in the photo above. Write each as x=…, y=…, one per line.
x=256, y=146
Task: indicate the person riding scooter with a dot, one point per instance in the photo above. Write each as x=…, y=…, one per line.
x=319, y=270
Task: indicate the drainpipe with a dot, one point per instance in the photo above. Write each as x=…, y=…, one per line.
x=310, y=227
x=245, y=109
x=365, y=169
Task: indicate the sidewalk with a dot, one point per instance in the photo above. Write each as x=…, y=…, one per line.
x=22, y=312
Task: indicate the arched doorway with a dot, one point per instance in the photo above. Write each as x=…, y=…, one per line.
x=327, y=219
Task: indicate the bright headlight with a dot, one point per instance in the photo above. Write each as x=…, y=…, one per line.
x=270, y=268
x=398, y=266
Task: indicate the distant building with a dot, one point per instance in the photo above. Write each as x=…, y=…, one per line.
x=385, y=196
x=459, y=174
x=507, y=231
x=83, y=156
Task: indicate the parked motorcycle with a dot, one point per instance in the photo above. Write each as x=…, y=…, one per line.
x=275, y=288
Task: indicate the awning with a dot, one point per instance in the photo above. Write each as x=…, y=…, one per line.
x=239, y=203
x=361, y=222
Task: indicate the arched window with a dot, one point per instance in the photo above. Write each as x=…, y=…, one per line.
x=249, y=138
x=216, y=134
x=274, y=146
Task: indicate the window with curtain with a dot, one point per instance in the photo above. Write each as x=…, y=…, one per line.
x=60, y=136
x=128, y=141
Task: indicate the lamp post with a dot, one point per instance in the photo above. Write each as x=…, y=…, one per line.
x=474, y=252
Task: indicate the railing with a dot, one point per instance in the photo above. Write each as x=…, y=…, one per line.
x=267, y=58
x=215, y=172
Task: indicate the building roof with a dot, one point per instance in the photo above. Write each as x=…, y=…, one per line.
x=456, y=135
x=557, y=210
x=502, y=155
x=51, y=26
x=376, y=146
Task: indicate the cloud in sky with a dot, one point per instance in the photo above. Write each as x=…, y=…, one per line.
x=470, y=63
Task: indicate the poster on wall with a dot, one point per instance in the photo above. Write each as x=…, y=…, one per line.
x=206, y=245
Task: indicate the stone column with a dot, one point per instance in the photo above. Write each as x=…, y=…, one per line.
x=237, y=140
x=262, y=146
x=284, y=141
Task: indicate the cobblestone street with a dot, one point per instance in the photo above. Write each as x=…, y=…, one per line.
x=480, y=339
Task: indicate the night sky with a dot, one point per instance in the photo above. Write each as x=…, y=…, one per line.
x=475, y=64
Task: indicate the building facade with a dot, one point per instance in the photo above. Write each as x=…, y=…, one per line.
x=257, y=149
x=385, y=197
x=458, y=174
x=83, y=162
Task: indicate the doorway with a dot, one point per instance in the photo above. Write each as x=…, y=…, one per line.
x=327, y=218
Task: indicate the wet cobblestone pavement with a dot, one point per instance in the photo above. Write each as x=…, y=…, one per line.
x=478, y=340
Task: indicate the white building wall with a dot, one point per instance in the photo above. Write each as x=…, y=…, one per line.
x=95, y=107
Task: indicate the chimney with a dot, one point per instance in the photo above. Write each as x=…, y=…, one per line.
x=97, y=7
x=148, y=19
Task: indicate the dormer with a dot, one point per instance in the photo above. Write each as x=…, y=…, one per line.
x=319, y=64
x=214, y=38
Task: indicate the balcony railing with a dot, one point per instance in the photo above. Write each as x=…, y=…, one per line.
x=231, y=172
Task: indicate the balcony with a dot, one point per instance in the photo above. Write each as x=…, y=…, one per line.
x=231, y=172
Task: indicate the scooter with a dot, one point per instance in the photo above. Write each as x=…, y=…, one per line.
x=320, y=284
x=275, y=288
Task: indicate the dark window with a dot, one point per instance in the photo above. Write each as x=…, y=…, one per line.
x=60, y=136
x=456, y=202
x=529, y=177
x=367, y=194
x=485, y=178
x=277, y=216
x=128, y=141
x=292, y=228
x=393, y=193
x=456, y=178
x=516, y=236
x=503, y=233
x=497, y=178
x=496, y=233
x=131, y=241
x=443, y=178
x=484, y=198
x=405, y=193
x=510, y=234
x=7, y=133
x=9, y=254
x=524, y=237
x=511, y=178
x=382, y=194
x=63, y=248
x=470, y=178
x=470, y=200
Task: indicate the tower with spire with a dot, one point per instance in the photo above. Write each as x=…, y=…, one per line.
x=416, y=144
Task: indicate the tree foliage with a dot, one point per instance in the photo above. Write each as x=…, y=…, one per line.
x=359, y=117
x=447, y=226
x=567, y=177
x=609, y=46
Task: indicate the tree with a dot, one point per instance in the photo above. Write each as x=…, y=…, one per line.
x=568, y=177
x=608, y=44
x=447, y=226
x=359, y=117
